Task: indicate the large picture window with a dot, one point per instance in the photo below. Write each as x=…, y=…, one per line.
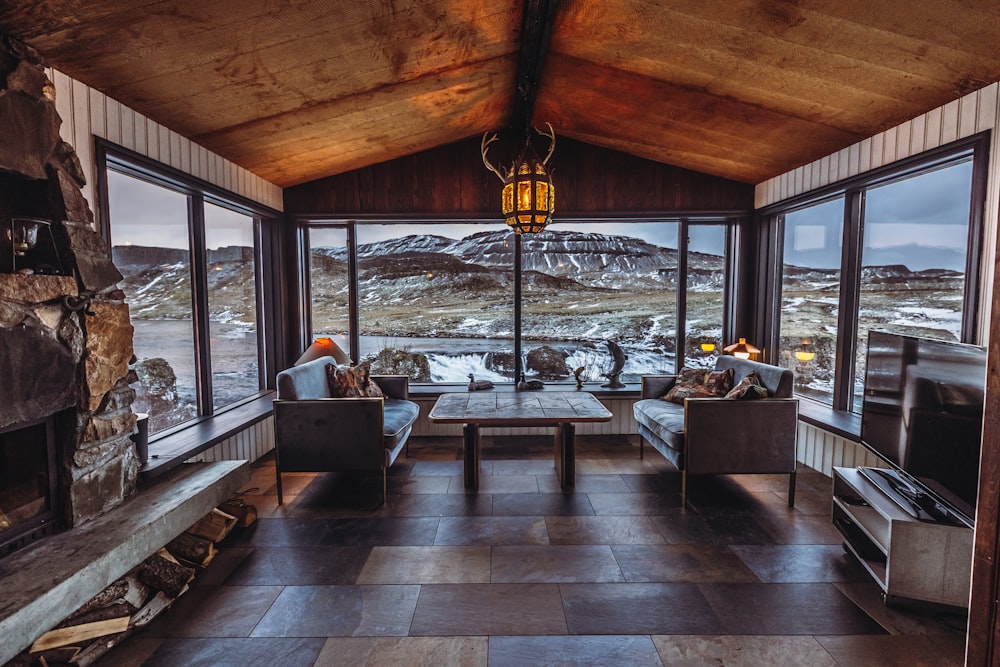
x=891, y=252
x=437, y=301
x=189, y=258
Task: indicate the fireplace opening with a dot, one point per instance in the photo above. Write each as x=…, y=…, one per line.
x=29, y=501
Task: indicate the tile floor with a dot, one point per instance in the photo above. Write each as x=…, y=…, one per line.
x=614, y=573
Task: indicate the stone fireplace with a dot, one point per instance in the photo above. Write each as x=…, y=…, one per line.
x=65, y=333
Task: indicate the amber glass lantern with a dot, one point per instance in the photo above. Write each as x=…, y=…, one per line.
x=529, y=199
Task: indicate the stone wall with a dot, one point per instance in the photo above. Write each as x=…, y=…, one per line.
x=65, y=340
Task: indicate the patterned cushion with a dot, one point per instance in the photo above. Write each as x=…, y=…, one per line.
x=690, y=384
x=719, y=382
x=343, y=382
x=749, y=388
x=367, y=385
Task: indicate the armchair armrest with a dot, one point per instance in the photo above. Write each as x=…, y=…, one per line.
x=655, y=386
x=723, y=436
x=329, y=434
x=394, y=386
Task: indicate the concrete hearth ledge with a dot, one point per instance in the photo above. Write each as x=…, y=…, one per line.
x=43, y=584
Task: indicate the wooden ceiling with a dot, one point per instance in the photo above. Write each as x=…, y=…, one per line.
x=295, y=90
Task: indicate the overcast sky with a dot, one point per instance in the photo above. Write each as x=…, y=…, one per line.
x=930, y=212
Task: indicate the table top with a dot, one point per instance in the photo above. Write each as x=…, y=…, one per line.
x=522, y=407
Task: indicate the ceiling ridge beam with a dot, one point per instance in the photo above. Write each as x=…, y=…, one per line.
x=536, y=31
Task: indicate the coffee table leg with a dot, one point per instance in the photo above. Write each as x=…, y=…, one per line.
x=471, y=442
x=566, y=455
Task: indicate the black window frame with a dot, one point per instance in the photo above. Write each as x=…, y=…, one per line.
x=267, y=279
x=841, y=416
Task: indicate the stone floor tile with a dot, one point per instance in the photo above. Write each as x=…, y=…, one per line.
x=541, y=504
x=502, y=483
x=634, y=504
x=216, y=611
x=789, y=563
x=577, y=650
x=427, y=565
x=554, y=564
x=602, y=530
x=631, y=609
x=339, y=611
x=491, y=530
x=300, y=566
x=387, y=531
x=786, y=609
x=446, y=504
x=584, y=484
x=489, y=609
x=290, y=652
x=892, y=651
x=380, y=651
x=742, y=651
x=681, y=563
x=687, y=527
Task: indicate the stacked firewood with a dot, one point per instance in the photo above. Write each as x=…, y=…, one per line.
x=133, y=601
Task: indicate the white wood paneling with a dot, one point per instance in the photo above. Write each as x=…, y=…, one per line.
x=248, y=445
x=88, y=113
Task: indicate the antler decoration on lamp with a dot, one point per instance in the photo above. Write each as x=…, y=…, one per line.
x=529, y=197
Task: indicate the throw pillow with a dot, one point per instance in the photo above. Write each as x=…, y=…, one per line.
x=343, y=382
x=749, y=388
x=689, y=384
x=719, y=382
x=367, y=385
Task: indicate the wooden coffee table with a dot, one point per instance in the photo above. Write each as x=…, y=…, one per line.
x=522, y=408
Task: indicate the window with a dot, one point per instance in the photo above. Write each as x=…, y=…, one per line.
x=155, y=261
x=232, y=304
x=810, y=296
x=895, y=251
x=437, y=301
x=184, y=248
x=705, y=299
x=916, y=240
x=329, y=280
x=586, y=283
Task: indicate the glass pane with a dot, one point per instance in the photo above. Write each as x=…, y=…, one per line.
x=913, y=259
x=810, y=297
x=328, y=285
x=232, y=304
x=706, y=275
x=436, y=301
x=586, y=284
x=149, y=233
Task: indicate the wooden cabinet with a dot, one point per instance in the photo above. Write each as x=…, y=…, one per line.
x=908, y=558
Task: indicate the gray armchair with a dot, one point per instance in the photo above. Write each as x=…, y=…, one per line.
x=316, y=433
x=715, y=436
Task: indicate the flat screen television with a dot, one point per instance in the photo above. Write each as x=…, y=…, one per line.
x=922, y=413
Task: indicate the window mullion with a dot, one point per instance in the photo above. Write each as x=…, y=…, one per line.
x=850, y=296
x=199, y=287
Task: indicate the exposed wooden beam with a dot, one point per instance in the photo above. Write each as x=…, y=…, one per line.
x=536, y=31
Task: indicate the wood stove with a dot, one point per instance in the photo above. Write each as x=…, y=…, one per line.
x=29, y=484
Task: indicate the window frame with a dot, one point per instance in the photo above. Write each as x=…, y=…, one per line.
x=266, y=233
x=854, y=190
x=734, y=222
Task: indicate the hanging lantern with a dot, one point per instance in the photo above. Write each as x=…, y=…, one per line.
x=528, y=198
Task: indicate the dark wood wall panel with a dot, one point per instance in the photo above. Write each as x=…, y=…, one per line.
x=451, y=180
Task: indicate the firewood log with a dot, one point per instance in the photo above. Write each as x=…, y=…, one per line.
x=192, y=549
x=74, y=635
x=213, y=526
x=244, y=512
x=162, y=572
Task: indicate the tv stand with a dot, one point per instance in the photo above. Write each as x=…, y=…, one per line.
x=910, y=558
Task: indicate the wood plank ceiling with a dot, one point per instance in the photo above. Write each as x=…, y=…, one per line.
x=295, y=90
